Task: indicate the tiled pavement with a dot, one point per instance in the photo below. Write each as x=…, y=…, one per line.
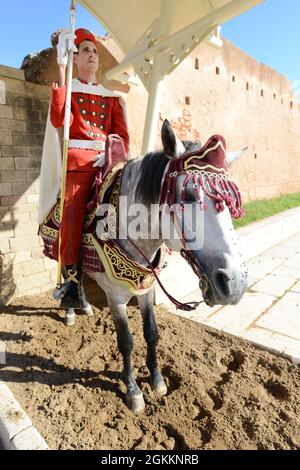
x=269, y=312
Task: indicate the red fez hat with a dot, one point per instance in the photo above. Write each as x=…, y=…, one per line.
x=84, y=35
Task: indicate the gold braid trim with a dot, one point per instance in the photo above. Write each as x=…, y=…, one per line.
x=49, y=232
x=106, y=183
x=122, y=270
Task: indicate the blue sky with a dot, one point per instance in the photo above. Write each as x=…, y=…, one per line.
x=268, y=32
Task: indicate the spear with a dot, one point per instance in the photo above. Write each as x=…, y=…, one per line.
x=66, y=134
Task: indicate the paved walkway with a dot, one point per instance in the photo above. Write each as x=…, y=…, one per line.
x=269, y=313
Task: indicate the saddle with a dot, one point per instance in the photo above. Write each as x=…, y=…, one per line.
x=99, y=252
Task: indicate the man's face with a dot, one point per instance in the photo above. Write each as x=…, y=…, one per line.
x=87, y=58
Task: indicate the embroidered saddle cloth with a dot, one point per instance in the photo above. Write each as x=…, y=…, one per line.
x=103, y=254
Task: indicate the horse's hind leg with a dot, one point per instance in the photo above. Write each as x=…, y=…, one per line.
x=70, y=317
x=86, y=306
x=151, y=337
x=134, y=396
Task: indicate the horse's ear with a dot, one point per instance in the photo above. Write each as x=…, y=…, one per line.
x=173, y=147
x=232, y=156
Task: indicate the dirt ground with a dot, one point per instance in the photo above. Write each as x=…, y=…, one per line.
x=223, y=392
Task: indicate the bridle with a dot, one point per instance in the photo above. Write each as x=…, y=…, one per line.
x=206, y=169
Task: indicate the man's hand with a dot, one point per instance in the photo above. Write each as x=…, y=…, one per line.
x=64, y=46
x=99, y=160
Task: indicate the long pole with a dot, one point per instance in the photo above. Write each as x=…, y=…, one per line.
x=157, y=81
x=66, y=134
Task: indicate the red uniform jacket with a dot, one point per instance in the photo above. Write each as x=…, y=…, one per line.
x=93, y=117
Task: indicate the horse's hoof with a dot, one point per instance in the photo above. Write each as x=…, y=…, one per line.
x=161, y=389
x=70, y=318
x=135, y=403
x=88, y=311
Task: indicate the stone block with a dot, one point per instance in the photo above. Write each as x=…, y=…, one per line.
x=25, y=228
x=6, y=111
x=35, y=127
x=12, y=176
x=273, y=285
x=23, y=188
x=24, y=102
x=21, y=256
x=32, y=267
x=12, y=125
x=14, y=151
x=7, y=163
x=284, y=317
x=24, y=207
x=22, y=289
x=32, y=175
x=23, y=243
x=33, y=282
x=27, y=139
x=33, y=198
x=5, y=137
x=20, y=113
x=13, y=418
x=27, y=163
x=29, y=439
x=11, y=72
x=239, y=317
x=5, y=189
x=34, y=151
x=37, y=252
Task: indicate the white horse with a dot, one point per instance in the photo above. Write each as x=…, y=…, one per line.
x=216, y=259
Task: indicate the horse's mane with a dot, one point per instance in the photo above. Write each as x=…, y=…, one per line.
x=151, y=172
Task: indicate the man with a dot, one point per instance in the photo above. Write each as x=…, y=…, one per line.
x=95, y=113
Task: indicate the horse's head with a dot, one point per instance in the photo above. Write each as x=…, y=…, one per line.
x=196, y=184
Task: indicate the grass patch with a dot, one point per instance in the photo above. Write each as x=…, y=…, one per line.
x=257, y=210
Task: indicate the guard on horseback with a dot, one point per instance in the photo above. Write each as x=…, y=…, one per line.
x=95, y=114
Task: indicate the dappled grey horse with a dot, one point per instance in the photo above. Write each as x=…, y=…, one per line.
x=202, y=190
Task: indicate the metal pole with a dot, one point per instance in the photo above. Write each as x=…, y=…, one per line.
x=66, y=134
x=157, y=81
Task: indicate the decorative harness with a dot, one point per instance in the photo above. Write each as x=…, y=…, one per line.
x=206, y=168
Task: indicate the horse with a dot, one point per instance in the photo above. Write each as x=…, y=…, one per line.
x=215, y=259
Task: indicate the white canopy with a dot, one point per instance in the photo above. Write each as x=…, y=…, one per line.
x=156, y=35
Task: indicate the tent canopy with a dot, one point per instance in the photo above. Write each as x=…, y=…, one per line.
x=156, y=36
x=127, y=20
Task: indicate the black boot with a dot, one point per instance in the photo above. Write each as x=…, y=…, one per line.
x=73, y=294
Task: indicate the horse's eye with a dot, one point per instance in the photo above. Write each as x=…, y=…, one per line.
x=189, y=197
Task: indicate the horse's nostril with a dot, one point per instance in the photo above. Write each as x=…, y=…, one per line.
x=221, y=282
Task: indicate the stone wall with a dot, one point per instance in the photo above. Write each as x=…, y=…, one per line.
x=227, y=92
x=23, y=111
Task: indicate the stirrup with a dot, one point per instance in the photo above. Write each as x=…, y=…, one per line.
x=72, y=276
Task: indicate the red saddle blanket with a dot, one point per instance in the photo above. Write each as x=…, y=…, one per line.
x=115, y=159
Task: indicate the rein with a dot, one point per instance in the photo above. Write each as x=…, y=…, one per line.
x=181, y=306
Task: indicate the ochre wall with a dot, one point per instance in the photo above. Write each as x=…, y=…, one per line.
x=231, y=103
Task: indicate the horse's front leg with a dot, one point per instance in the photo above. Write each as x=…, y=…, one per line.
x=134, y=396
x=151, y=337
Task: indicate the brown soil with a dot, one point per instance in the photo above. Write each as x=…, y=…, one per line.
x=223, y=392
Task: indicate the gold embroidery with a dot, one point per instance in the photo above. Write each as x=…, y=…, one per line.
x=56, y=213
x=188, y=166
x=122, y=270
x=49, y=232
x=87, y=239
